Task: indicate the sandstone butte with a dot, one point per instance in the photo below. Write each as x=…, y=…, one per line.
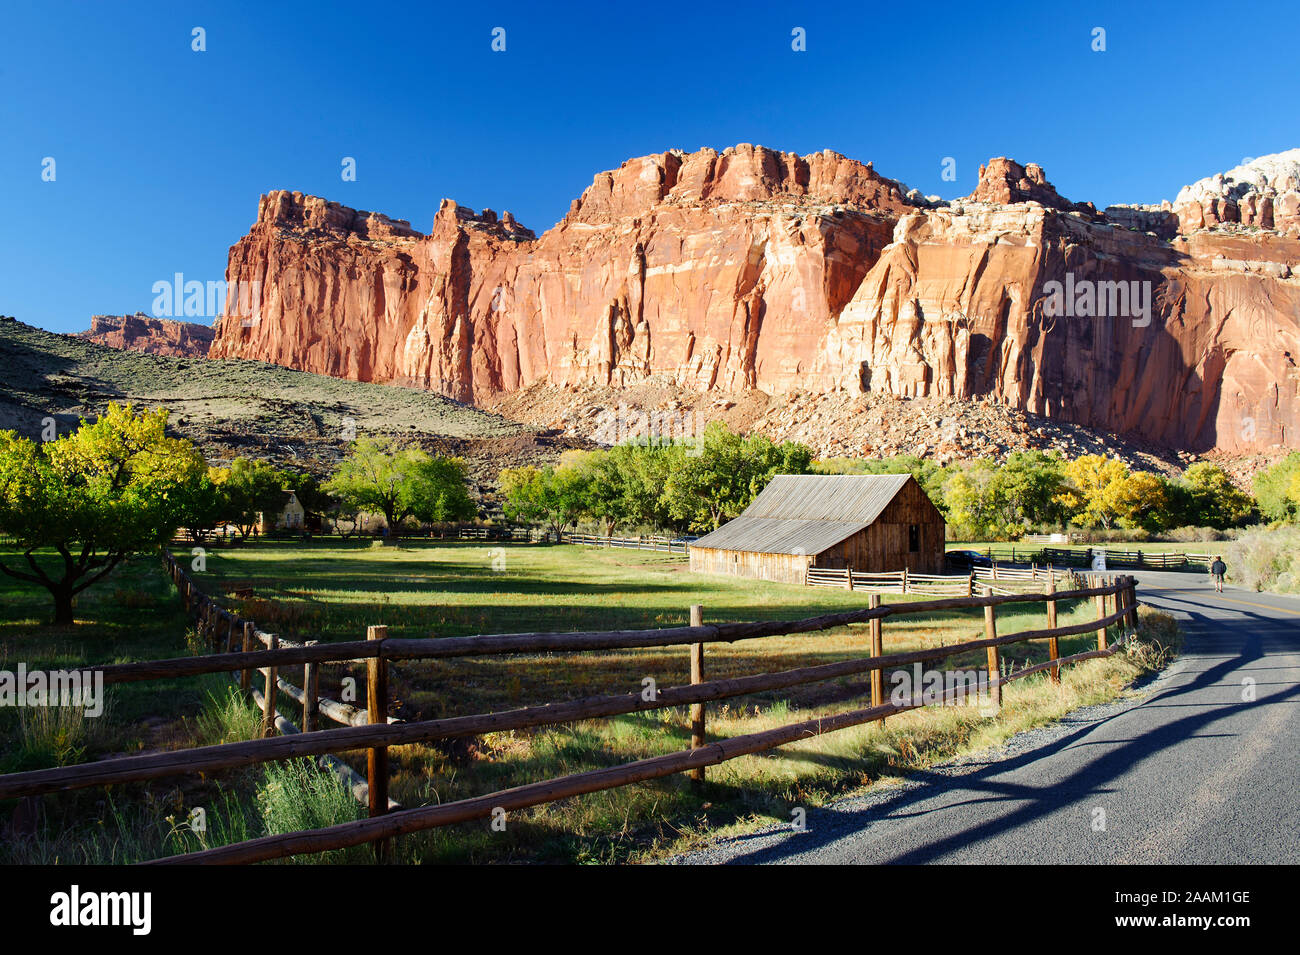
x=756, y=269
x=157, y=336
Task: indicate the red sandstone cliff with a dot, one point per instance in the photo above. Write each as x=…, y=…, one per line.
x=757, y=269
x=156, y=336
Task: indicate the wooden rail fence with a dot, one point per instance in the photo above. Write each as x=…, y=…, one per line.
x=212, y=621
x=1115, y=601
x=981, y=581
x=667, y=545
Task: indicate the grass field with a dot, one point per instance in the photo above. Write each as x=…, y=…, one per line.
x=331, y=590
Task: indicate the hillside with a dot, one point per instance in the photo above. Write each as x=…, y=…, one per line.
x=235, y=407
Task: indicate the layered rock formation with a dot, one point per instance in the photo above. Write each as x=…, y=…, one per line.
x=751, y=268
x=157, y=336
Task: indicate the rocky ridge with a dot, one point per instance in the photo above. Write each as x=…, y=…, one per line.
x=155, y=336
x=750, y=269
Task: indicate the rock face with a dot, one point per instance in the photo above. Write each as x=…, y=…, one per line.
x=1264, y=193
x=755, y=269
x=157, y=336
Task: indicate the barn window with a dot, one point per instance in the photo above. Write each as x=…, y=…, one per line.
x=913, y=538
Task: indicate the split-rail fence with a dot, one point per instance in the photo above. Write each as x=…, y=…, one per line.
x=371, y=729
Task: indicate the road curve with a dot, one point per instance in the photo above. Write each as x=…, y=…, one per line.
x=1190, y=772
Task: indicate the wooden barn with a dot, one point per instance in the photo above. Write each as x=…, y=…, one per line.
x=870, y=522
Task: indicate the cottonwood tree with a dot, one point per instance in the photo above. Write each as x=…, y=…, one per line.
x=112, y=488
x=1087, y=493
x=250, y=490
x=554, y=496
x=1215, y=500
x=378, y=475
x=703, y=490
x=1277, y=489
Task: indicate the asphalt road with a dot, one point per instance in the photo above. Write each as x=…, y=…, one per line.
x=1190, y=772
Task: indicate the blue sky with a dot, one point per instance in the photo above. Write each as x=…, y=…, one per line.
x=161, y=152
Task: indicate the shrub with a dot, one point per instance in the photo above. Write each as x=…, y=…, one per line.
x=297, y=795
x=1266, y=560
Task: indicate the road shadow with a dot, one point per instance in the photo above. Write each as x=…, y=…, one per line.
x=985, y=784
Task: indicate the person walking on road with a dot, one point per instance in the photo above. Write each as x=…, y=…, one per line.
x=1217, y=570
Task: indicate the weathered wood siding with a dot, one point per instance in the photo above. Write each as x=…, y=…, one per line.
x=884, y=546
x=783, y=568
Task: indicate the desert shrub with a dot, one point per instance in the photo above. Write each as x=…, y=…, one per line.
x=1266, y=559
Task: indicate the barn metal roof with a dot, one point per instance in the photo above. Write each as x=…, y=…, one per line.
x=807, y=513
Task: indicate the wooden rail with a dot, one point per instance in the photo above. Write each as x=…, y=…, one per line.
x=980, y=581
x=666, y=545
x=380, y=732
x=212, y=621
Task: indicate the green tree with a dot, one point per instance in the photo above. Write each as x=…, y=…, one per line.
x=714, y=480
x=252, y=489
x=1277, y=489
x=205, y=504
x=378, y=475
x=1086, y=494
x=1215, y=500
x=969, y=493
x=108, y=490
x=642, y=474
x=549, y=495
x=440, y=492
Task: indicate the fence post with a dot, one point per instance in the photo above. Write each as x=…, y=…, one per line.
x=1053, y=642
x=245, y=675
x=904, y=579
x=970, y=583
x=311, y=694
x=994, y=659
x=877, y=649
x=1130, y=598
x=377, y=756
x=697, y=676
x=994, y=568
x=1101, y=612
x=848, y=577
x=268, y=699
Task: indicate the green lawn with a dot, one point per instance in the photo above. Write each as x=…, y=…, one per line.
x=330, y=590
